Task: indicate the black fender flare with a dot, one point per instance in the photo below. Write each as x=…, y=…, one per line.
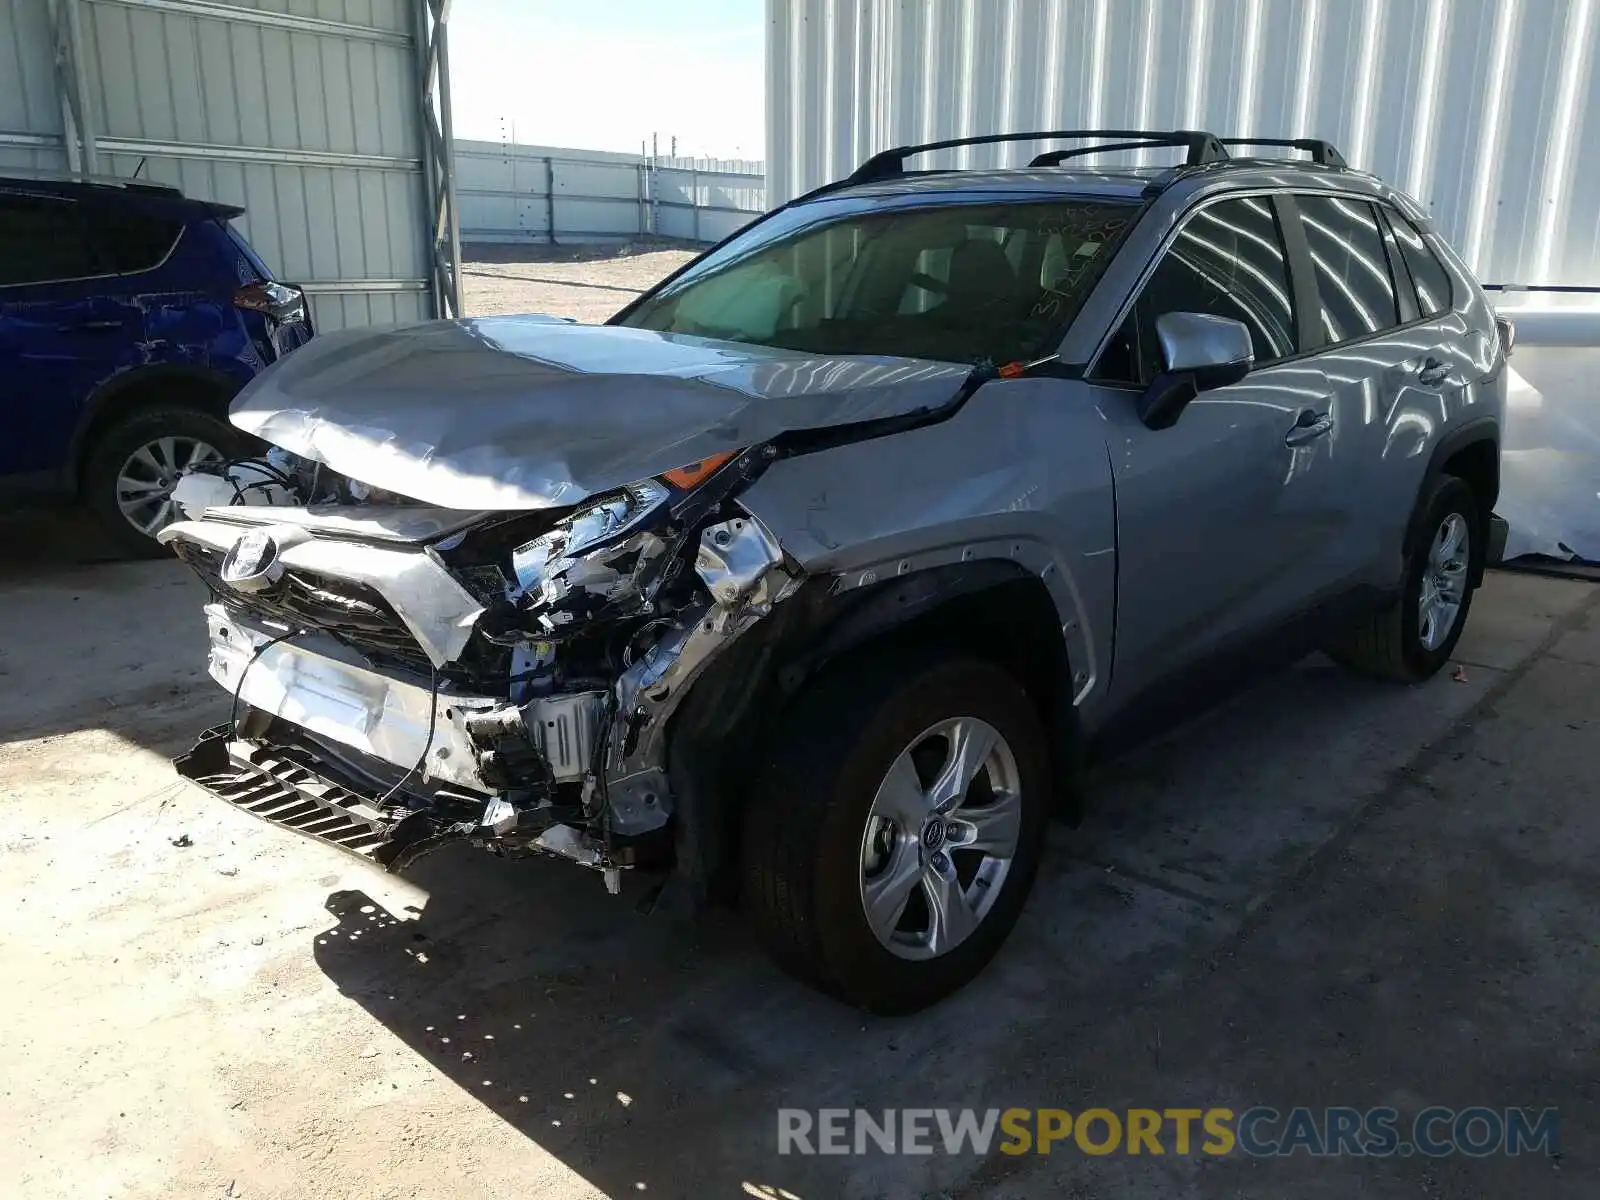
x=718, y=737
x=194, y=380
x=1479, y=429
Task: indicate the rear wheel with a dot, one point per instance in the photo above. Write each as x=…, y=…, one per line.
x=897, y=828
x=129, y=474
x=1411, y=639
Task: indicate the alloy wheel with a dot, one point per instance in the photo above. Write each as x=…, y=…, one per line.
x=1444, y=581
x=940, y=838
x=148, y=476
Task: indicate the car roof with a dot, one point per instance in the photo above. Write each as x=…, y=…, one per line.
x=154, y=198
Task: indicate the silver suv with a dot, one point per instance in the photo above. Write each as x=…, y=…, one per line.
x=813, y=578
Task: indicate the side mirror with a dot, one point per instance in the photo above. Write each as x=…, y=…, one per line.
x=1199, y=352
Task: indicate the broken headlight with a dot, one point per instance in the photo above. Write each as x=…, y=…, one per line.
x=591, y=524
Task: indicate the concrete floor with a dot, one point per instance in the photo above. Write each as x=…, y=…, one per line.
x=1327, y=892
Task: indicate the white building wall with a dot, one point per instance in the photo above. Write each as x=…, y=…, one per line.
x=1488, y=111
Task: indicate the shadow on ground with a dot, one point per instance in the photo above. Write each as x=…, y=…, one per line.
x=648, y=1050
x=38, y=537
x=88, y=641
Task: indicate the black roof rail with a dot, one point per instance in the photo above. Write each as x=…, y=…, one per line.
x=1054, y=158
x=1321, y=152
x=1200, y=147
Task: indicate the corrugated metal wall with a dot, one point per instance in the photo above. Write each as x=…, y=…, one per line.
x=510, y=192
x=30, y=110
x=1488, y=111
x=305, y=112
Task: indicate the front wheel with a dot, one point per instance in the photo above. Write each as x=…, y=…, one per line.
x=897, y=828
x=1411, y=639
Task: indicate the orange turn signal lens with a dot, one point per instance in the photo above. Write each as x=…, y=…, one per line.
x=686, y=477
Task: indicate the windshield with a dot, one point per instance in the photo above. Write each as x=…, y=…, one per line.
x=957, y=283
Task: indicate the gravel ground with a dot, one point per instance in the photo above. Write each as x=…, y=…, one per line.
x=587, y=284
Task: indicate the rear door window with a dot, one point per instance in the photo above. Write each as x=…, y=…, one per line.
x=1227, y=261
x=1354, y=283
x=1428, y=275
x=43, y=240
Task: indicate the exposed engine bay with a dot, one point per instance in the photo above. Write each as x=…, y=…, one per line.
x=405, y=675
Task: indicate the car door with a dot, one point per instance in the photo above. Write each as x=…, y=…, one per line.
x=63, y=327
x=1440, y=356
x=1378, y=358
x=1218, y=514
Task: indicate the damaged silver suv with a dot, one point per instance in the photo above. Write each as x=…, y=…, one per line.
x=811, y=580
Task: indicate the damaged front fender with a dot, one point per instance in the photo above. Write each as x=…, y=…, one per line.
x=742, y=566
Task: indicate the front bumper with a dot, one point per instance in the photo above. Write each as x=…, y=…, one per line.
x=332, y=748
x=319, y=686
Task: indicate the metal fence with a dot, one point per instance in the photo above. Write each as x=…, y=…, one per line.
x=511, y=192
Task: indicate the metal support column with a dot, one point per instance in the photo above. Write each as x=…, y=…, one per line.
x=550, y=198
x=72, y=85
x=438, y=159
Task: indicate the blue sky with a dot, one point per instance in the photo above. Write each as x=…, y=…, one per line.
x=605, y=74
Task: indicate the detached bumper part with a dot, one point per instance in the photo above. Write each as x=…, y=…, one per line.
x=290, y=789
x=289, y=794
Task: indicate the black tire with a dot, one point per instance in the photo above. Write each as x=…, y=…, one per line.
x=802, y=838
x=1388, y=644
x=112, y=448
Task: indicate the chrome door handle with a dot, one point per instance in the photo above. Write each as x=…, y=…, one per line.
x=1309, y=428
x=1433, y=371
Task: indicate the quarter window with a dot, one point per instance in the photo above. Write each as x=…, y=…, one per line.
x=1352, y=270
x=131, y=241
x=42, y=240
x=1228, y=260
x=1427, y=272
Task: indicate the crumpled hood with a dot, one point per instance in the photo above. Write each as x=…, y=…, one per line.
x=534, y=412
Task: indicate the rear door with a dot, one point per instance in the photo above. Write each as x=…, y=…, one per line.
x=1379, y=354
x=63, y=326
x=1222, y=519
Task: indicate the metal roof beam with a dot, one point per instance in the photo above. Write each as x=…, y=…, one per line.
x=235, y=14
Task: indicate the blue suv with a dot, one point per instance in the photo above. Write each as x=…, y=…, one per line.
x=130, y=315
